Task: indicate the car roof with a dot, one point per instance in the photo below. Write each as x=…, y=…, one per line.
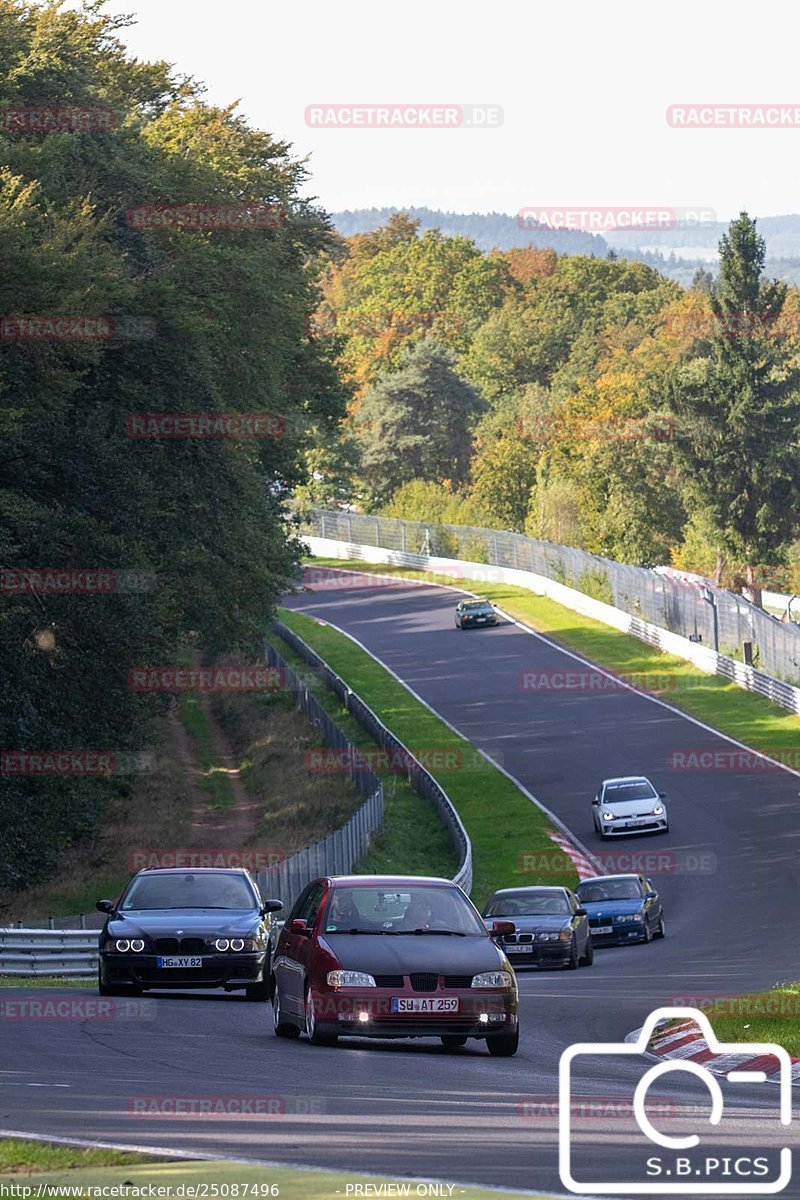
x=627, y=779
x=377, y=880
x=475, y=600
x=533, y=887
x=608, y=878
x=194, y=871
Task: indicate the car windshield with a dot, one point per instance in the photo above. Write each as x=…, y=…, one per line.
x=639, y=789
x=609, y=889
x=189, y=891
x=478, y=608
x=400, y=909
x=536, y=902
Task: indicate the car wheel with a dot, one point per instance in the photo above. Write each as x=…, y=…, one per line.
x=662, y=928
x=258, y=991
x=105, y=990
x=648, y=933
x=572, y=963
x=279, y=1026
x=503, y=1045
x=588, y=957
x=313, y=1033
x=451, y=1041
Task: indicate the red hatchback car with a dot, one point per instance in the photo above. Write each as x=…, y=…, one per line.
x=385, y=956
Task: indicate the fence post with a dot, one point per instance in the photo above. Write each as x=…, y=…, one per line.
x=403, y=537
x=349, y=528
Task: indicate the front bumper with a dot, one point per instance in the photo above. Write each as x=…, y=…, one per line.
x=544, y=954
x=367, y=1012
x=467, y=623
x=623, y=828
x=229, y=970
x=626, y=931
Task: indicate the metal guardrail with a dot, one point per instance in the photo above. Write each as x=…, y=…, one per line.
x=420, y=779
x=710, y=615
x=70, y=953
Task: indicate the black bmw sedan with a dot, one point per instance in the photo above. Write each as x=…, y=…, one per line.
x=202, y=928
x=551, y=928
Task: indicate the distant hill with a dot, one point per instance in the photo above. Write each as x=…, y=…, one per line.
x=677, y=253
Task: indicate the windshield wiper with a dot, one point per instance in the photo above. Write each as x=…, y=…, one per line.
x=446, y=932
x=369, y=932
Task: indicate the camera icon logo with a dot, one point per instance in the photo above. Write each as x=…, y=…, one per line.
x=684, y=1166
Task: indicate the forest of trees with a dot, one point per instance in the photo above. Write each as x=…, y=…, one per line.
x=200, y=321
x=602, y=404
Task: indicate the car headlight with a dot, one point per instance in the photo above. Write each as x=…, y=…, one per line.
x=631, y=917
x=547, y=937
x=222, y=944
x=137, y=945
x=237, y=944
x=608, y=816
x=493, y=979
x=122, y=945
x=658, y=810
x=350, y=979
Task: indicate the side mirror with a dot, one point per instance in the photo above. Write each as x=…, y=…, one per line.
x=503, y=928
x=596, y=800
x=651, y=895
x=581, y=912
x=298, y=925
x=270, y=906
x=662, y=795
x=106, y=906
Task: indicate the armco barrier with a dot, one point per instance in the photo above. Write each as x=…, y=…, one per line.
x=708, y=660
x=420, y=779
x=66, y=952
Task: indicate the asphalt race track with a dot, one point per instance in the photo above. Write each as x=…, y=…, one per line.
x=411, y=1108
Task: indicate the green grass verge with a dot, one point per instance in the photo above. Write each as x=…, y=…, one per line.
x=414, y=840
x=139, y=1172
x=772, y=1016
x=502, y=823
x=19, y=1155
x=47, y=981
x=742, y=715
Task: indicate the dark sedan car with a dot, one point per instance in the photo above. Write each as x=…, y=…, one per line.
x=622, y=908
x=393, y=957
x=173, y=928
x=471, y=614
x=550, y=927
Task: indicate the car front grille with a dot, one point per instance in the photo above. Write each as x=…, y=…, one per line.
x=192, y=945
x=457, y=981
x=511, y=938
x=389, y=981
x=424, y=981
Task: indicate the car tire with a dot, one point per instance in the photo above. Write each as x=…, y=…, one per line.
x=573, y=961
x=315, y=1035
x=105, y=990
x=280, y=1027
x=648, y=934
x=452, y=1041
x=503, y=1045
x=662, y=928
x=588, y=957
x=258, y=991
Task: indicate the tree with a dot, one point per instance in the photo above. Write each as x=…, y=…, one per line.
x=416, y=423
x=738, y=412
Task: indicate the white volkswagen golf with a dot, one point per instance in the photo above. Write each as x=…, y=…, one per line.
x=629, y=805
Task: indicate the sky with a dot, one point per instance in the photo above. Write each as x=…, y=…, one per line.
x=583, y=89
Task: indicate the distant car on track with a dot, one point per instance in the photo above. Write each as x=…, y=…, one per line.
x=551, y=928
x=622, y=908
x=629, y=805
x=471, y=614
x=177, y=928
x=383, y=956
